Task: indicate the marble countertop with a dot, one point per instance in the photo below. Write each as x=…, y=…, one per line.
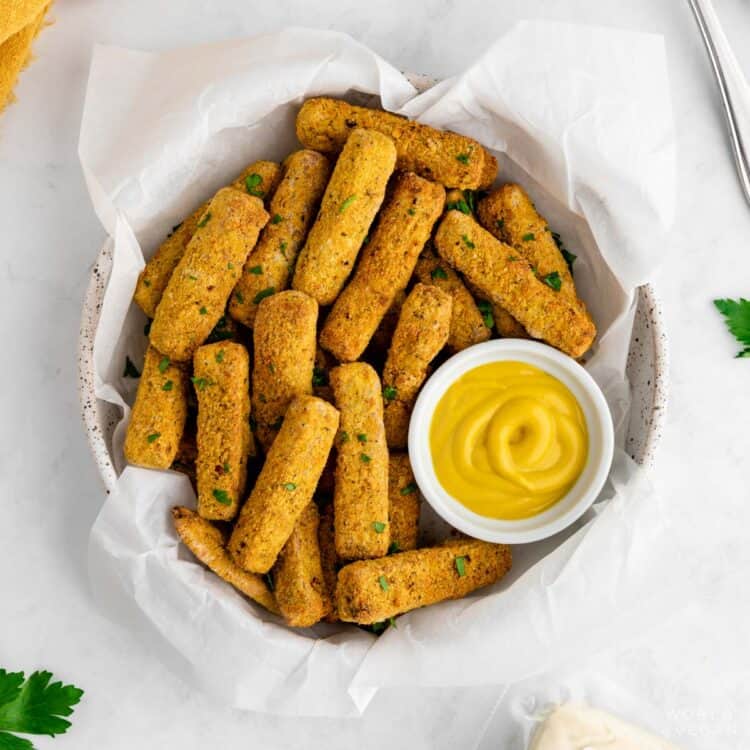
x=693, y=669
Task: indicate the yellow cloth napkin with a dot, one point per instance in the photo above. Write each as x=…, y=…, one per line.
x=20, y=22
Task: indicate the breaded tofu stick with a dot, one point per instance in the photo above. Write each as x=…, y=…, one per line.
x=153, y=279
x=299, y=586
x=284, y=356
x=351, y=200
x=449, y=158
x=328, y=559
x=286, y=483
x=501, y=274
x=404, y=502
x=360, y=498
x=385, y=265
x=421, y=333
x=220, y=376
x=467, y=325
x=268, y=268
x=369, y=591
x=157, y=420
x=197, y=293
x=205, y=541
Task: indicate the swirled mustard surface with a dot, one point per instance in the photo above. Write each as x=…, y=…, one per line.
x=508, y=440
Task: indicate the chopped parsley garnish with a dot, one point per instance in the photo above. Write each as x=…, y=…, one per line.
x=203, y=311
x=202, y=223
x=289, y=486
x=570, y=258
x=230, y=266
x=469, y=197
x=393, y=548
x=282, y=247
x=277, y=219
x=167, y=386
x=486, y=309
x=256, y=270
x=153, y=436
x=468, y=242
x=500, y=223
x=512, y=257
x=344, y=436
x=438, y=273
x=553, y=280
x=200, y=383
x=271, y=368
x=222, y=496
x=226, y=468
x=362, y=437
x=409, y=488
x=219, y=356
x=130, y=371
x=379, y=527
x=192, y=277
x=239, y=296
x=389, y=392
x=269, y=581
x=411, y=212
x=146, y=283
x=319, y=377
x=348, y=202
x=364, y=458
x=383, y=583
x=461, y=566
x=263, y=294
x=463, y=158
x=737, y=317
x=459, y=205
x=252, y=183
x=528, y=237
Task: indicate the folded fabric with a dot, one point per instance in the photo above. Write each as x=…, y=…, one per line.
x=20, y=22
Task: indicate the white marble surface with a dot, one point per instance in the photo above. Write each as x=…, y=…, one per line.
x=693, y=670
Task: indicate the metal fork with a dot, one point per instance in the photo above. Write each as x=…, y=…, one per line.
x=735, y=95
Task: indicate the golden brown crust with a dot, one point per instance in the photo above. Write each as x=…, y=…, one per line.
x=385, y=265
x=158, y=417
x=467, y=325
x=220, y=377
x=286, y=483
x=352, y=198
x=205, y=541
x=284, y=356
x=449, y=158
x=507, y=279
x=197, y=293
x=404, y=502
x=422, y=330
x=299, y=585
x=153, y=279
x=360, y=497
x=328, y=559
x=489, y=171
x=292, y=209
x=370, y=591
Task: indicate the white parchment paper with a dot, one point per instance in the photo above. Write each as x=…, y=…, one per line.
x=581, y=117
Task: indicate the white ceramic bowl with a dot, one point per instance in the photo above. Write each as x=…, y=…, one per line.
x=577, y=500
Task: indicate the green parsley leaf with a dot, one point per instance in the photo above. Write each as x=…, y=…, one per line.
x=393, y=548
x=463, y=158
x=500, y=223
x=282, y=247
x=348, y=202
x=240, y=297
x=461, y=566
x=130, y=371
x=383, y=583
x=409, y=488
x=33, y=706
x=203, y=311
x=192, y=277
x=269, y=581
x=411, y=212
x=438, y=273
x=392, y=622
x=389, y=392
x=257, y=270
x=167, y=386
x=737, y=317
x=163, y=364
x=277, y=219
x=230, y=266
x=379, y=527
x=320, y=377
x=379, y=627
x=468, y=242
x=252, y=183
x=271, y=368
x=486, y=309
x=570, y=258
x=263, y=294
x=146, y=283
x=459, y=205
x=153, y=436
x=512, y=257
x=200, y=383
x=219, y=356
x=227, y=468
x=344, y=436
x=206, y=218
x=364, y=458
x=222, y=496
x=528, y=237
x=289, y=486
x=469, y=196
x=553, y=280
x=362, y=437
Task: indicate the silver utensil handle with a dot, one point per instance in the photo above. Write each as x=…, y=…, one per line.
x=732, y=85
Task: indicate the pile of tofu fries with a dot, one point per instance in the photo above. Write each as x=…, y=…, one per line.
x=294, y=318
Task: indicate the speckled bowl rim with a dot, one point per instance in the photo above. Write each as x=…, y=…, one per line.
x=92, y=408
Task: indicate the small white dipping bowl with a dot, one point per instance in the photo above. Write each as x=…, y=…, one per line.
x=572, y=505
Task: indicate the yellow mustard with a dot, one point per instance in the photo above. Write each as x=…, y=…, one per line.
x=508, y=440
